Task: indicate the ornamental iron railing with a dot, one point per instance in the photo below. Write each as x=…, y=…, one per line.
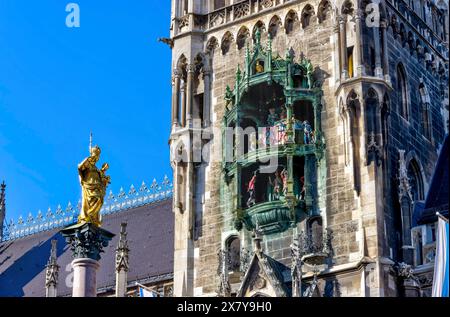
x=60, y=217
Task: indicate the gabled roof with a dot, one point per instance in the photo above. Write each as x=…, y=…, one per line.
x=438, y=194
x=264, y=277
x=150, y=240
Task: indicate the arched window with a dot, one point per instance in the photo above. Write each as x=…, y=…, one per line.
x=307, y=14
x=218, y=4
x=233, y=247
x=425, y=103
x=402, y=92
x=291, y=20
x=416, y=181
x=274, y=26
x=226, y=43
x=315, y=232
x=324, y=11
x=242, y=37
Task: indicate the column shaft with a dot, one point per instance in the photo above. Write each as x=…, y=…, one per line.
x=85, y=277
x=343, y=44
x=175, y=99
x=207, y=98
x=189, y=92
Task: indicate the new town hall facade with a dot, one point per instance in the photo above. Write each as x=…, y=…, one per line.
x=310, y=155
x=350, y=99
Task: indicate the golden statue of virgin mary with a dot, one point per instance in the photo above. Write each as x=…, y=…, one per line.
x=93, y=184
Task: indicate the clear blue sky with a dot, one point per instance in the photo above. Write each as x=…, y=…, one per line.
x=57, y=84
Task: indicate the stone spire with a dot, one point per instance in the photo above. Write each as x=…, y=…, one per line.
x=122, y=264
x=52, y=272
x=2, y=207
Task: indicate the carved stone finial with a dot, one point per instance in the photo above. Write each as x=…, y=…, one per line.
x=52, y=271
x=373, y=147
x=224, y=288
x=257, y=238
x=404, y=187
x=122, y=263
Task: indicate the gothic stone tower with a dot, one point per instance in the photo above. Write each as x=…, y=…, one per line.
x=348, y=96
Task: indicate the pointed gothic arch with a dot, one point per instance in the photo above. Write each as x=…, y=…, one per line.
x=402, y=92
x=348, y=8
x=324, y=11
x=307, y=16
x=291, y=21
x=211, y=46
x=258, y=26
x=242, y=37
x=226, y=42
x=274, y=26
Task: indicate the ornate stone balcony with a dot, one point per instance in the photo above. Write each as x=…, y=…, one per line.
x=314, y=247
x=273, y=216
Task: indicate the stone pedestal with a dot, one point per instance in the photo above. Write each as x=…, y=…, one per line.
x=86, y=242
x=85, y=277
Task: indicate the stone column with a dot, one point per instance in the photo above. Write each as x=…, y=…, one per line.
x=122, y=264
x=86, y=242
x=183, y=103
x=189, y=92
x=383, y=26
x=309, y=190
x=343, y=45
x=358, y=49
x=337, y=61
x=175, y=97
x=207, y=97
x=405, y=200
x=376, y=40
x=51, y=273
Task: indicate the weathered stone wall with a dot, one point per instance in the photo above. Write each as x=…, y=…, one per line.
x=363, y=220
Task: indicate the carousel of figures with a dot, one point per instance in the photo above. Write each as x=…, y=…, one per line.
x=275, y=133
x=93, y=183
x=251, y=190
x=276, y=186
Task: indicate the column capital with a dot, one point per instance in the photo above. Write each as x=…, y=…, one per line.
x=359, y=14
x=191, y=68
x=176, y=73
x=342, y=18
x=86, y=240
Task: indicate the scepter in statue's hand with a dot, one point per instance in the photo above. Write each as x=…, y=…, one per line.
x=106, y=179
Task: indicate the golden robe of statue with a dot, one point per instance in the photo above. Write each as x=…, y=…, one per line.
x=93, y=183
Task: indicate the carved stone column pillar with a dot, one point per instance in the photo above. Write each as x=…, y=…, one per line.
x=358, y=49
x=337, y=55
x=189, y=92
x=376, y=40
x=343, y=45
x=183, y=103
x=175, y=97
x=383, y=26
x=122, y=264
x=405, y=200
x=86, y=242
x=207, y=98
x=51, y=273
x=309, y=171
